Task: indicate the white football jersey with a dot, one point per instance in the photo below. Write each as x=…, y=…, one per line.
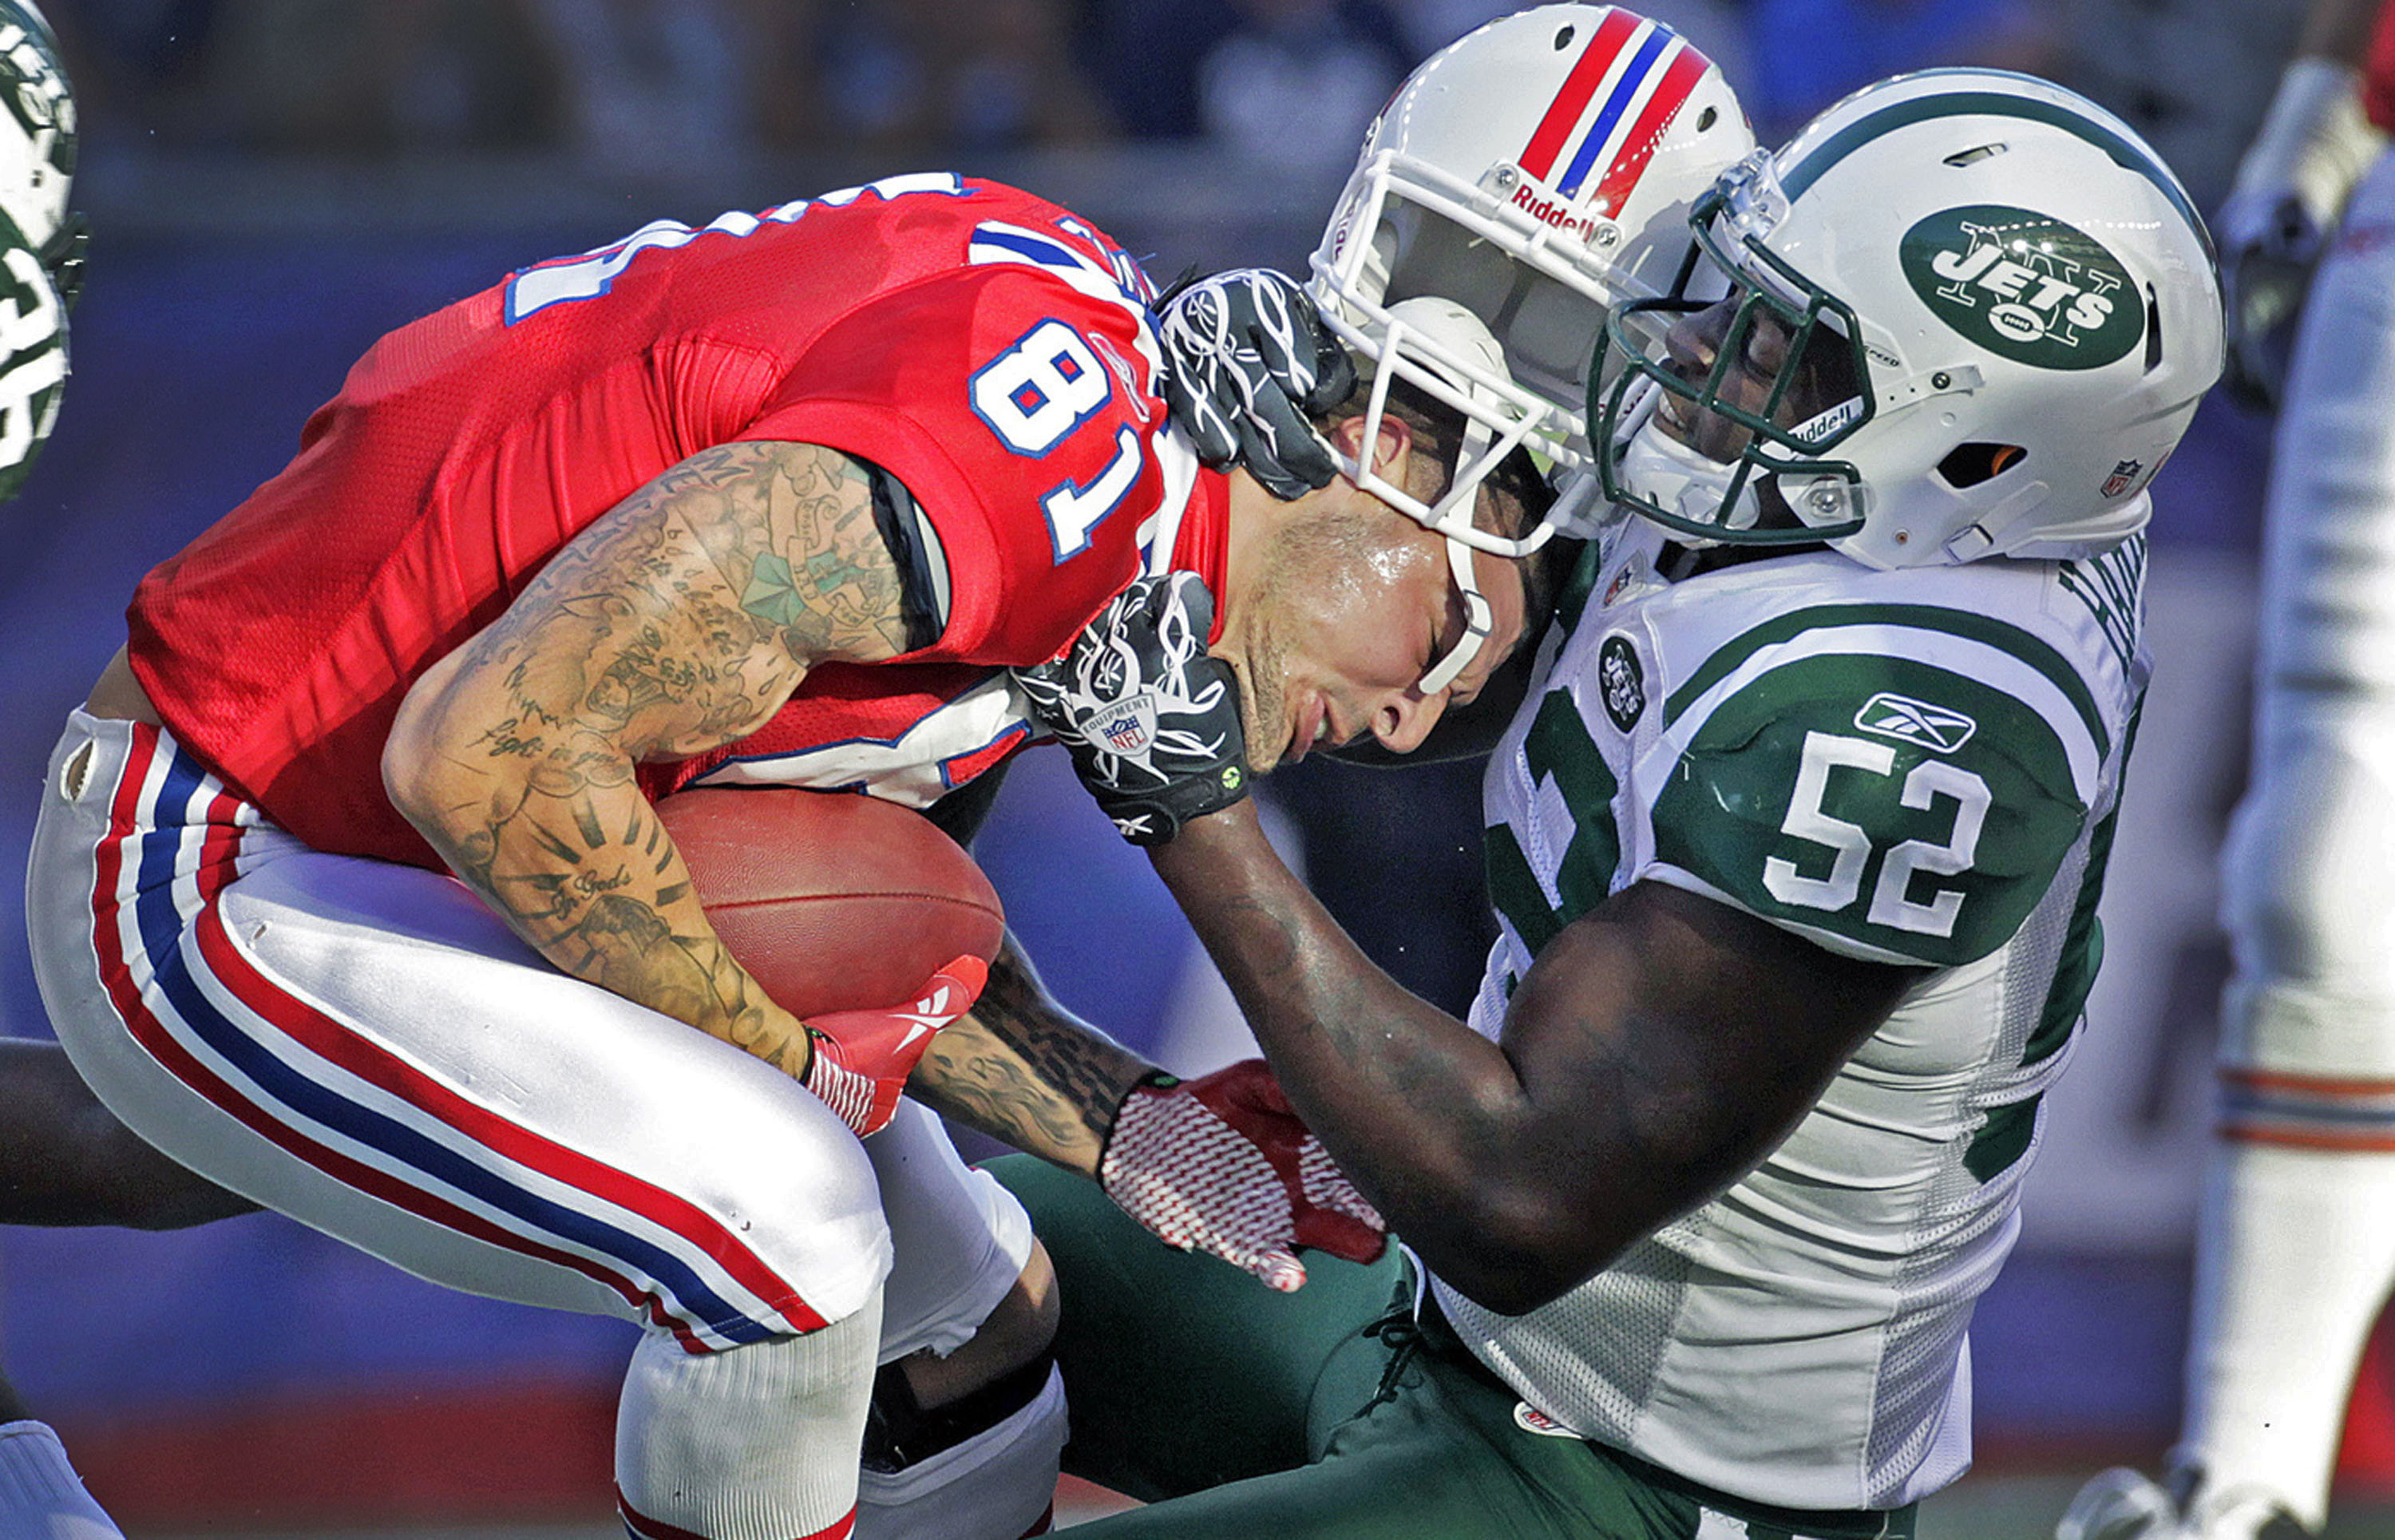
x=1916, y=767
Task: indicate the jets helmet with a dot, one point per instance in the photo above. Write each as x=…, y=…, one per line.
x=2016, y=300
x=41, y=241
x=37, y=133
x=1533, y=173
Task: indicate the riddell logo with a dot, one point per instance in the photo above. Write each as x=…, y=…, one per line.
x=1554, y=212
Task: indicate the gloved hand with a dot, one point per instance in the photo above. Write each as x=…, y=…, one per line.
x=1246, y=361
x=2291, y=190
x=862, y=1058
x=1221, y=1164
x=1152, y=721
x=2264, y=277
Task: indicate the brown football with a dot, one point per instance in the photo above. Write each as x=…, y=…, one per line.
x=834, y=901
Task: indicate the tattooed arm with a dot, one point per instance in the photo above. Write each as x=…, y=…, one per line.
x=1660, y=1045
x=1021, y=1069
x=678, y=622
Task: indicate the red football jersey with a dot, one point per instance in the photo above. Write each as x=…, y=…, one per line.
x=987, y=348
x=2378, y=70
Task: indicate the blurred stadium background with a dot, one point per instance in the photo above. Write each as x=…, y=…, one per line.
x=273, y=183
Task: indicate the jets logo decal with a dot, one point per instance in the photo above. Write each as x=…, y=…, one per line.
x=1623, y=682
x=2025, y=286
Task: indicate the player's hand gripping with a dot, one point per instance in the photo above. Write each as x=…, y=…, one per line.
x=1221, y=1164
x=862, y=1058
x=1246, y=361
x=1152, y=721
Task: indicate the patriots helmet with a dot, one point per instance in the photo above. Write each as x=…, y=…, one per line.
x=1533, y=174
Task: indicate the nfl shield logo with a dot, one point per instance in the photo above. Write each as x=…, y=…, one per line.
x=1130, y=728
x=2123, y=476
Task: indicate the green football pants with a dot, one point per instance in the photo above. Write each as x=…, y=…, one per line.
x=1331, y=1414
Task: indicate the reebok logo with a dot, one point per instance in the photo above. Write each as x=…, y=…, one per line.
x=1909, y=721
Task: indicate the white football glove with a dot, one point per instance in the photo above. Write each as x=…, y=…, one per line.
x=2290, y=192
x=1223, y=1166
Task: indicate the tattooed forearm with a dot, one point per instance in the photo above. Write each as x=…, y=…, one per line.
x=1021, y=1069
x=980, y=1084
x=677, y=623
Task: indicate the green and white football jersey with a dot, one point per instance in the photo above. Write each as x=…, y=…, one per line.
x=1915, y=768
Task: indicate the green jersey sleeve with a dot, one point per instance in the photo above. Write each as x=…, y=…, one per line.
x=1882, y=803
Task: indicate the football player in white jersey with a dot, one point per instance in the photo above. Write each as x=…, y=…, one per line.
x=1797, y=845
x=2295, y=1246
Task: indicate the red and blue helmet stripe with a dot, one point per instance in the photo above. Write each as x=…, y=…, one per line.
x=1628, y=84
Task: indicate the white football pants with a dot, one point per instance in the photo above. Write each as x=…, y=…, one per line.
x=2296, y=1238
x=364, y=1047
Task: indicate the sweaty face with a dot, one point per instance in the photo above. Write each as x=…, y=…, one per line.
x=1351, y=607
x=1761, y=347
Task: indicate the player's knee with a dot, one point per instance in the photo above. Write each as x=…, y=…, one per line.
x=968, y=1447
x=2309, y=893
x=926, y=1402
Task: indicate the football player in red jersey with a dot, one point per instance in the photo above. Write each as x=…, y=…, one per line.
x=774, y=501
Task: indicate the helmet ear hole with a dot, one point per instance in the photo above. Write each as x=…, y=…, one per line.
x=1969, y=464
x=2153, y=330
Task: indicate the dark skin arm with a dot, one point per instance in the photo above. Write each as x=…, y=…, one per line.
x=65, y=1160
x=1658, y=1048
x=2337, y=30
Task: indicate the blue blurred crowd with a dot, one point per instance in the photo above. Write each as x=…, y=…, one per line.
x=663, y=79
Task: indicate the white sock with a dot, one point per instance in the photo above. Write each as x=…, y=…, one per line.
x=995, y=1485
x=41, y=1496
x=754, y=1444
x=2295, y=1257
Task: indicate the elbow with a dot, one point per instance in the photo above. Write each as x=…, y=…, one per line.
x=421, y=772
x=1520, y=1253
x=410, y=768
x=425, y=770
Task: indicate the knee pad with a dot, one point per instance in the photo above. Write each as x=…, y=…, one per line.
x=2309, y=899
x=900, y=1432
x=981, y=1467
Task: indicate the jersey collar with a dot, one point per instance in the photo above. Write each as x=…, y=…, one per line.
x=1203, y=543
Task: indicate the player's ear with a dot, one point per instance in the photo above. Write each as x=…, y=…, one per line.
x=1393, y=439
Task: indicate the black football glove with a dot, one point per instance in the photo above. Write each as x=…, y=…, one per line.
x=1151, y=720
x=1246, y=361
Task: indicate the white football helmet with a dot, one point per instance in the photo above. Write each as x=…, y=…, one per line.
x=2017, y=297
x=41, y=241
x=37, y=127
x=1535, y=172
